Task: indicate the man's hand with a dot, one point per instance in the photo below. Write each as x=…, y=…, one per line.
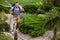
x=22, y=10
x=10, y=11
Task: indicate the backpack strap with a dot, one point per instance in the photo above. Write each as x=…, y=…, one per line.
x=14, y=8
x=13, y=5
x=19, y=8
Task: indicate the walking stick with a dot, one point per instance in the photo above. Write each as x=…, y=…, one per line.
x=55, y=32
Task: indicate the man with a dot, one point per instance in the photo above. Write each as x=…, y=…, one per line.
x=15, y=11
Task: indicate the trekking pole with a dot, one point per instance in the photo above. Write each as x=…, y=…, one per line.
x=15, y=32
x=55, y=32
x=15, y=35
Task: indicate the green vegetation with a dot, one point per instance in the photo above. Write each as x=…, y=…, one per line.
x=41, y=15
x=2, y=17
x=33, y=25
x=3, y=25
x=6, y=9
x=37, y=25
x=4, y=37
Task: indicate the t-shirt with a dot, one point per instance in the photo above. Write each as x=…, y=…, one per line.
x=16, y=10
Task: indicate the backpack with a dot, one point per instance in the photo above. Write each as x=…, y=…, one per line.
x=13, y=5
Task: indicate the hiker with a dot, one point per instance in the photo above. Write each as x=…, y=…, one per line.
x=15, y=10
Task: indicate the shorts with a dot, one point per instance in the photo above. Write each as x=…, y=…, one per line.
x=15, y=17
x=16, y=14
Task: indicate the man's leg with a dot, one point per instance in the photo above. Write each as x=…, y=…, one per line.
x=18, y=18
x=14, y=19
x=17, y=26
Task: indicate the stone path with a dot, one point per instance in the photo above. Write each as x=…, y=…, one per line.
x=47, y=36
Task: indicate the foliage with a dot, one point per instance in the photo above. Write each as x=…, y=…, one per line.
x=31, y=5
x=3, y=24
x=33, y=25
x=4, y=37
x=52, y=18
x=4, y=27
x=2, y=17
x=31, y=8
x=33, y=2
x=6, y=9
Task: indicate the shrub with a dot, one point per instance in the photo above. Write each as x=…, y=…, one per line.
x=37, y=32
x=6, y=9
x=33, y=31
x=30, y=8
x=4, y=26
x=52, y=18
x=4, y=37
x=33, y=25
x=2, y=17
x=39, y=9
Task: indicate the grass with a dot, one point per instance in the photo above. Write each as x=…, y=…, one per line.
x=4, y=37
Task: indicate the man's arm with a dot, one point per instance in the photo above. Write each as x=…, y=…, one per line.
x=10, y=11
x=21, y=9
